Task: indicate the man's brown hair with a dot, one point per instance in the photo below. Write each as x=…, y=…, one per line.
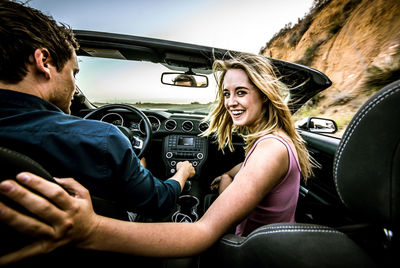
x=23, y=30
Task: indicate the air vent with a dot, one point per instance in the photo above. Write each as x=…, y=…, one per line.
x=187, y=126
x=203, y=126
x=170, y=125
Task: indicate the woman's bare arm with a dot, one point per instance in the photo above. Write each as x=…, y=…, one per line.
x=185, y=239
x=72, y=220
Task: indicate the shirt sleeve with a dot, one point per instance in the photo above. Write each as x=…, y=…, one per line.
x=139, y=189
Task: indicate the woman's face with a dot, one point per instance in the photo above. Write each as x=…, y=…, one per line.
x=242, y=99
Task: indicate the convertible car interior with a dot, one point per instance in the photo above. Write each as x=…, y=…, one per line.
x=347, y=214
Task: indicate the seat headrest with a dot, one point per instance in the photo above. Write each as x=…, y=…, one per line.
x=12, y=162
x=367, y=162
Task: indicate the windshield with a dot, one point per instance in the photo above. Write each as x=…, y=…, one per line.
x=104, y=81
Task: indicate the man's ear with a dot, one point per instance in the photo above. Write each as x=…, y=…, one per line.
x=42, y=59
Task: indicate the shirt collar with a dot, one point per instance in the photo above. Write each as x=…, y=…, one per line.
x=18, y=99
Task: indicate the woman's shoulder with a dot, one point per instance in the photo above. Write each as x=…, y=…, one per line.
x=284, y=139
x=279, y=140
x=269, y=156
x=278, y=136
x=271, y=142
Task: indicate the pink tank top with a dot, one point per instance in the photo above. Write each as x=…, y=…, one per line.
x=279, y=205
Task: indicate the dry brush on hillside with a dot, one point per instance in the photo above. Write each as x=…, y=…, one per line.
x=355, y=42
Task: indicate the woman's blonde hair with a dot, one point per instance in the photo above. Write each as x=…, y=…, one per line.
x=277, y=116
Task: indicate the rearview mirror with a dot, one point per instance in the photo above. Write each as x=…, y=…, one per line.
x=318, y=125
x=184, y=80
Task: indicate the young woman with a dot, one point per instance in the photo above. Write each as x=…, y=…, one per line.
x=261, y=190
x=250, y=101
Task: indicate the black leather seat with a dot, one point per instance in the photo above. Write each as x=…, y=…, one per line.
x=367, y=178
x=11, y=163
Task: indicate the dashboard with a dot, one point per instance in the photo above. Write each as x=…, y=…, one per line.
x=178, y=133
x=175, y=138
x=162, y=122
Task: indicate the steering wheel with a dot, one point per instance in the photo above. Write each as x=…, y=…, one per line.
x=139, y=143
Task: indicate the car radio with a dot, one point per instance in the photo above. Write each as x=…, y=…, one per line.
x=177, y=148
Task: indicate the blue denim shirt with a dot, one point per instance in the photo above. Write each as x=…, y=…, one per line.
x=95, y=153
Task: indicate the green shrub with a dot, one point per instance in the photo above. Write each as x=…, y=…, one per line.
x=378, y=77
x=335, y=27
x=309, y=54
x=349, y=7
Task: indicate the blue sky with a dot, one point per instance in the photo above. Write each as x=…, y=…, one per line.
x=244, y=25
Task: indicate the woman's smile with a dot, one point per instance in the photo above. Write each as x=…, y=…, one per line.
x=242, y=99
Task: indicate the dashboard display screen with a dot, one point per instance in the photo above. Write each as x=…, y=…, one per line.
x=185, y=141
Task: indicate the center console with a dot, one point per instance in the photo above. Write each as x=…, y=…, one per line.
x=177, y=148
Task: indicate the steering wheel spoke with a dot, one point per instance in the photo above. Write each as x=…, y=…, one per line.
x=137, y=143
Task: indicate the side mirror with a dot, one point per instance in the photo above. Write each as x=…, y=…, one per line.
x=318, y=125
x=184, y=80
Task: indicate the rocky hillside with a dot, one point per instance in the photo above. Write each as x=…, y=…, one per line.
x=355, y=42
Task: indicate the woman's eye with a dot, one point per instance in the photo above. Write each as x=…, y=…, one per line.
x=225, y=94
x=240, y=93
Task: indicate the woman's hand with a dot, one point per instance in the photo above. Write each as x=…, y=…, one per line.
x=215, y=183
x=221, y=182
x=226, y=178
x=69, y=219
